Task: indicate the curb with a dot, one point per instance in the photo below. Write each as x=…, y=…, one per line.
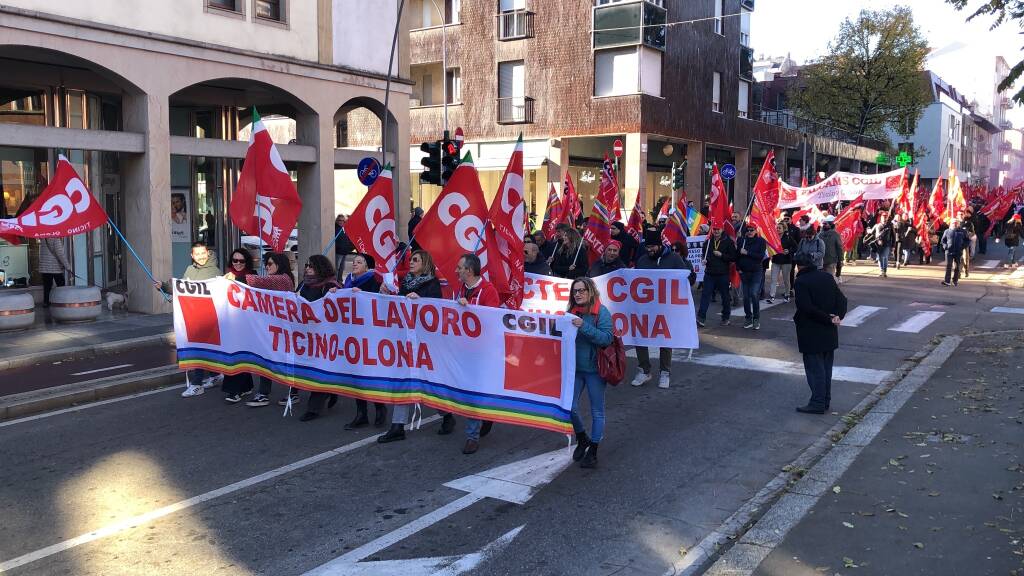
x=37, y=401
x=740, y=522
x=88, y=351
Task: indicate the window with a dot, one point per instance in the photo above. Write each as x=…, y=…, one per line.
x=716, y=92
x=269, y=10
x=616, y=72
x=511, y=79
x=603, y=2
x=510, y=5
x=719, y=11
x=454, y=85
x=629, y=23
x=745, y=28
x=744, y=99
x=229, y=5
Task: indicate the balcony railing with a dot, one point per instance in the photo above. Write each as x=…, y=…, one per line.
x=515, y=110
x=1005, y=146
x=790, y=121
x=515, y=25
x=1006, y=103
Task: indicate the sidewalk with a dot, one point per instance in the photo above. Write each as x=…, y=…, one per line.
x=116, y=330
x=939, y=490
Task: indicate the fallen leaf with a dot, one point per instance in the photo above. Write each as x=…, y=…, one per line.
x=933, y=494
x=997, y=496
x=847, y=524
x=918, y=545
x=849, y=563
x=836, y=489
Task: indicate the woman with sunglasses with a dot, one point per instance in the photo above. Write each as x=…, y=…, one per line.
x=317, y=281
x=594, y=322
x=364, y=278
x=240, y=266
x=420, y=282
x=277, y=276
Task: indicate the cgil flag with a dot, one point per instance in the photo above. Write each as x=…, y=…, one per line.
x=571, y=204
x=64, y=208
x=957, y=204
x=766, y=198
x=506, y=217
x=635, y=227
x=674, y=231
x=265, y=203
x=719, y=210
x=553, y=214
x=598, y=231
x=371, y=228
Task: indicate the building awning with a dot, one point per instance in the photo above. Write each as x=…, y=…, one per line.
x=985, y=124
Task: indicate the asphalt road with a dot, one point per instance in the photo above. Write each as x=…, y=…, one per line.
x=158, y=484
x=73, y=370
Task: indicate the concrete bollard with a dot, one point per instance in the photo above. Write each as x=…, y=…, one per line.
x=75, y=303
x=17, y=311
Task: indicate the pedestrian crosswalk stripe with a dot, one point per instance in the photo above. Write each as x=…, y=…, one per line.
x=759, y=364
x=917, y=322
x=858, y=315
x=1006, y=310
x=986, y=264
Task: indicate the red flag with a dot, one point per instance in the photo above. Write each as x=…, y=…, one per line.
x=849, y=226
x=598, y=231
x=506, y=217
x=957, y=203
x=615, y=208
x=665, y=207
x=937, y=202
x=675, y=227
x=371, y=228
x=553, y=214
x=454, y=225
x=635, y=227
x=719, y=210
x=998, y=206
x=64, y=208
x=766, y=198
x=803, y=182
x=265, y=203
x=571, y=201
x=908, y=206
x=921, y=223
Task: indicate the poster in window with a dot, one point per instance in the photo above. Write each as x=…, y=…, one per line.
x=181, y=221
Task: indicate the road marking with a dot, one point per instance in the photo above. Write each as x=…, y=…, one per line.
x=516, y=482
x=987, y=264
x=138, y=520
x=1005, y=310
x=759, y=364
x=858, y=315
x=917, y=322
x=107, y=369
x=89, y=405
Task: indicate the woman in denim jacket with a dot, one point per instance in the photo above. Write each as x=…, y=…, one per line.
x=594, y=322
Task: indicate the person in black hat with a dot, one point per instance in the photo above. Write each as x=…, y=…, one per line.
x=820, y=308
x=719, y=252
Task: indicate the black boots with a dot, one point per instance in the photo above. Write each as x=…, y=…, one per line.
x=380, y=417
x=590, y=458
x=582, y=441
x=360, y=420
x=447, y=425
x=395, y=433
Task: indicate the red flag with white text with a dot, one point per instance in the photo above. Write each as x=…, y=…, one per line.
x=553, y=214
x=64, y=208
x=371, y=228
x=766, y=198
x=937, y=201
x=265, y=202
x=571, y=204
x=635, y=227
x=719, y=210
x=675, y=226
x=506, y=217
x=598, y=231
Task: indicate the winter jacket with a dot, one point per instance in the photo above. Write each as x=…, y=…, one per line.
x=718, y=265
x=815, y=247
x=595, y=333
x=51, y=256
x=817, y=296
x=564, y=259
x=884, y=235
x=787, y=244
x=483, y=294
x=343, y=245
x=538, y=266
x=194, y=271
x=753, y=261
x=668, y=260
x=601, y=267
x=429, y=289
x=314, y=293
x=833, y=246
x=954, y=240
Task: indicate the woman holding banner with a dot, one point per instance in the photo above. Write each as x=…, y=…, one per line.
x=277, y=276
x=240, y=265
x=595, y=331
x=317, y=281
x=364, y=278
x=420, y=282
x=570, y=260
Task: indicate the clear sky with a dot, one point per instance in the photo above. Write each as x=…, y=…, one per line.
x=962, y=54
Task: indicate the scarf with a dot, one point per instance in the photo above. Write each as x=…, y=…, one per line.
x=582, y=311
x=316, y=282
x=357, y=281
x=410, y=283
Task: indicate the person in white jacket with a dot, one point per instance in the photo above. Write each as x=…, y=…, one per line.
x=53, y=265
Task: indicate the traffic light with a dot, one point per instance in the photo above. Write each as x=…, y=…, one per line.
x=431, y=163
x=449, y=158
x=678, y=175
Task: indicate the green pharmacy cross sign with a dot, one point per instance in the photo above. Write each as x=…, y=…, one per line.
x=882, y=158
x=903, y=159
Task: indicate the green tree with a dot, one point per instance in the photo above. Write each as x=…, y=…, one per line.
x=1001, y=11
x=871, y=79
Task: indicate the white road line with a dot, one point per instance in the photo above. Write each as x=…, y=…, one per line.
x=986, y=264
x=89, y=405
x=917, y=322
x=108, y=368
x=759, y=364
x=136, y=521
x=858, y=315
x=1005, y=310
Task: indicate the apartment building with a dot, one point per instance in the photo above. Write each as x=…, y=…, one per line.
x=152, y=105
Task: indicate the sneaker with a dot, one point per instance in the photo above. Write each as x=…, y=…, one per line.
x=663, y=380
x=284, y=401
x=213, y=380
x=839, y=280
x=258, y=400
x=192, y=390
x=757, y=324
x=785, y=299
x=233, y=398
x=944, y=283
x=700, y=322
x=725, y=322
x=748, y=324
x=770, y=300
x=640, y=379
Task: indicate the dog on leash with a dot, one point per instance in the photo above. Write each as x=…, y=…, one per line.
x=116, y=300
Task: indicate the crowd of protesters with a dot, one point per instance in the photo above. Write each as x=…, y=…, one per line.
x=814, y=248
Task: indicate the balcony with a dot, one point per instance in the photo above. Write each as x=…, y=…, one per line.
x=1006, y=125
x=515, y=25
x=515, y=110
x=746, y=63
x=788, y=120
x=629, y=24
x=1005, y=146
x=1006, y=103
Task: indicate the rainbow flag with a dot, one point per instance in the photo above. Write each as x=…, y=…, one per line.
x=694, y=220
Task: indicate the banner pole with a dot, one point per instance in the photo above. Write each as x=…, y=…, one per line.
x=136, y=255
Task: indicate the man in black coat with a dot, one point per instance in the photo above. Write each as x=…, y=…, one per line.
x=820, y=307
x=656, y=256
x=752, y=252
x=719, y=252
x=532, y=261
x=610, y=261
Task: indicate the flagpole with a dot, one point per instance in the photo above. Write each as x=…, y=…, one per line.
x=136, y=255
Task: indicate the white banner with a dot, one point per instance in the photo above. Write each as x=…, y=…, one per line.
x=844, y=186
x=649, y=307
x=695, y=254
x=489, y=363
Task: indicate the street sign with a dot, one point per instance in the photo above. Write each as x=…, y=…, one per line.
x=368, y=171
x=617, y=148
x=728, y=172
x=460, y=137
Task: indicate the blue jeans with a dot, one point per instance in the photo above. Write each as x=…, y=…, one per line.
x=883, y=258
x=750, y=283
x=595, y=393
x=1011, y=256
x=818, y=368
x=714, y=283
x=196, y=376
x=473, y=428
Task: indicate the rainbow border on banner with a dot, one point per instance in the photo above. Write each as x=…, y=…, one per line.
x=387, y=390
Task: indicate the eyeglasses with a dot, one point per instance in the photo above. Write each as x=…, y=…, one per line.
x=580, y=290
x=238, y=261
x=309, y=265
